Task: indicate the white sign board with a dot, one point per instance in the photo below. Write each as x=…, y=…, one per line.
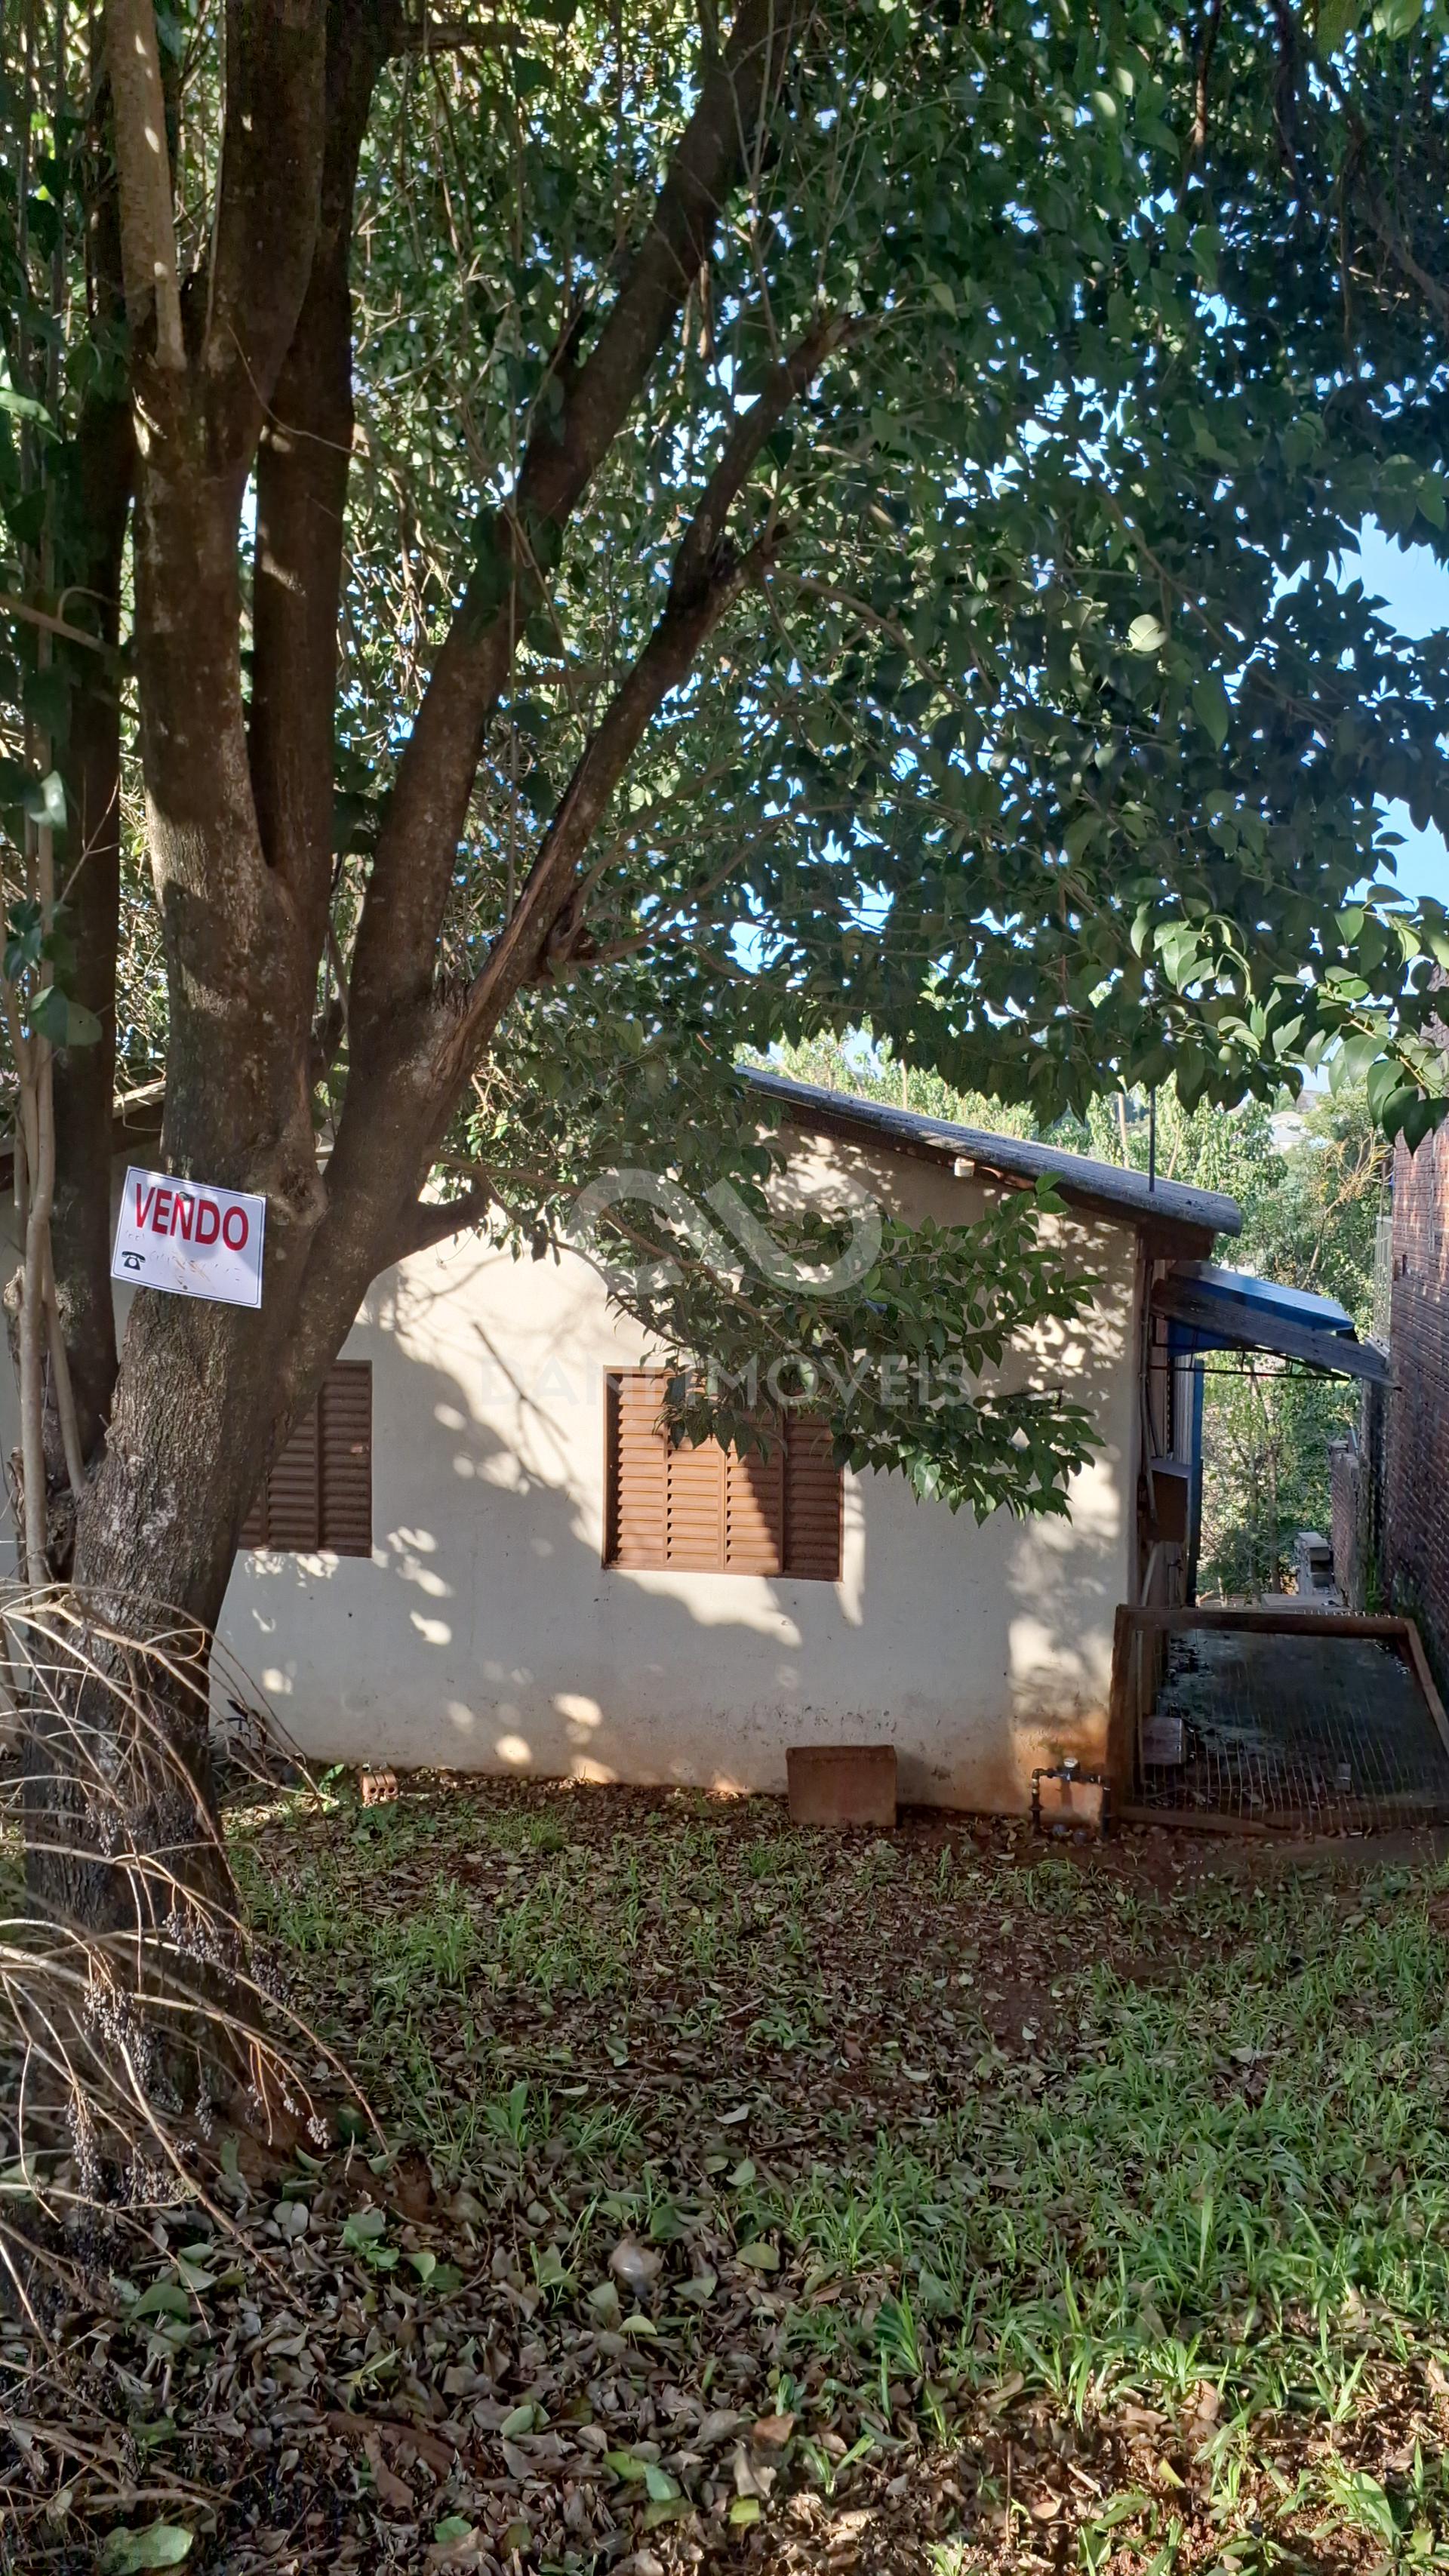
x=190, y=1239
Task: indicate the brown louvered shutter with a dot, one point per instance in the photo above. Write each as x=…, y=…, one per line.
x=293, y=1499
x=705, y=1512
x=345, y=1459
x=813, y=1493
x=636, y=1531
x=696, y=1520
x=319, y=1492
x=755, y=1511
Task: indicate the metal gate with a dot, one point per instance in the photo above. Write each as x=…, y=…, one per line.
x=1263, y=1720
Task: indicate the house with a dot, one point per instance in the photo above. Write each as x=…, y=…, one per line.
x=477, y=1551
x=530, y=1583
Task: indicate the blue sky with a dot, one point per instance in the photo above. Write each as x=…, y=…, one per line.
x=1417, y=591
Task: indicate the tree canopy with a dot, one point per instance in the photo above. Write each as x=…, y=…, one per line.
x=544, y=554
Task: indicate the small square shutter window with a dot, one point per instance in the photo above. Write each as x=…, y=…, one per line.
x=702, y=1509
x=318, y=1493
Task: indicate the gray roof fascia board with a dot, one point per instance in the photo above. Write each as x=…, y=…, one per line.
x=1106, y=1188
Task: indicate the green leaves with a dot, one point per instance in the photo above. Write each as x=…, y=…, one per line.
x=758, y=2255
x=1212, y=707
x=46, y=695
x=43, y=800
x=29, y=948
x=161, y=2544
x=165, y=2299
x=1394, y=18
x=40, y=798
x=362, y=2234
x=21, y=406
x=895, y=1345
x=1205, y=243
x=25, y=943
x=1338, y=19
x=65, y=1023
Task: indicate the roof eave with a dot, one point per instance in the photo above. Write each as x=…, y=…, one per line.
x=1172, y=1229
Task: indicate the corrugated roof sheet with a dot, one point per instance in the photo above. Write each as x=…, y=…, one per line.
x=1325, y=1312
x=1103, y=1186
x=1225, y=1310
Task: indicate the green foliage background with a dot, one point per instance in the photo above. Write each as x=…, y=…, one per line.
x=1046, y=738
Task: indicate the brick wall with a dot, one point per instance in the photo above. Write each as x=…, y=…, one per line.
x=1416, y=1448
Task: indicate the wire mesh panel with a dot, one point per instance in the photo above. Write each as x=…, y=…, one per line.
x=1252, y=1719
x=1282, y=1725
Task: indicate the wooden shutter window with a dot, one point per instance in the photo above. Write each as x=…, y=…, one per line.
x=813, y=1497
x=694, y=1506
x=293, y=1496
x=319, y=1492
x=755, y=1511
x=700, y=1509
x=638, y=1489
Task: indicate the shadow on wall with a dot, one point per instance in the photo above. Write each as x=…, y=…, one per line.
x=485, y=1633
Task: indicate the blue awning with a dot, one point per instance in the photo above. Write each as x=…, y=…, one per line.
x=1211, y=1309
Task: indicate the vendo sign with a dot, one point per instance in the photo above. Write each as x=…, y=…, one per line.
x=190, y=1239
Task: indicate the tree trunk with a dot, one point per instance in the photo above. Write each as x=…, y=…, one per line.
x=85, y=1076
x=238, y=771
x=118, y=1762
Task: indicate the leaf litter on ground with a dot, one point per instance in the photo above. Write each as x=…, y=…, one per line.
x=928, y=2204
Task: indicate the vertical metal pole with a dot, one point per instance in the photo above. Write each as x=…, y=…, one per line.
x=1152, y=1138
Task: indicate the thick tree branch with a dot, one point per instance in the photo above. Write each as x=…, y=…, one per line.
x=706, y=578
x=302, y=468
x=1386, y=231
x=241, y=1001
x=267, y=208
x=399, y=1099
x=1380, y=218
x=518, y=953
x=84, y=1077
x=1201, y=95
x=101, y=469
x=781, y=389
x=394, y=956
x=433, y=1220
x=148, y=231
x=570, y=949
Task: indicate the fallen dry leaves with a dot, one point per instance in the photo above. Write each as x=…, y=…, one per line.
x=581, y=2312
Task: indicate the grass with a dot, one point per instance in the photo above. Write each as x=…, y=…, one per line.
x=1081, y=2212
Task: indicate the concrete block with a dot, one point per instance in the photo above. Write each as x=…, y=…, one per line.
x=1074, y=1804
x=842, y=1784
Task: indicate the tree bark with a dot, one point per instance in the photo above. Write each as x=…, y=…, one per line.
x=85, y=1077
x=239, y=795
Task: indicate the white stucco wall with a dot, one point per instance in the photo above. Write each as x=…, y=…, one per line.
x=486, y=1633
